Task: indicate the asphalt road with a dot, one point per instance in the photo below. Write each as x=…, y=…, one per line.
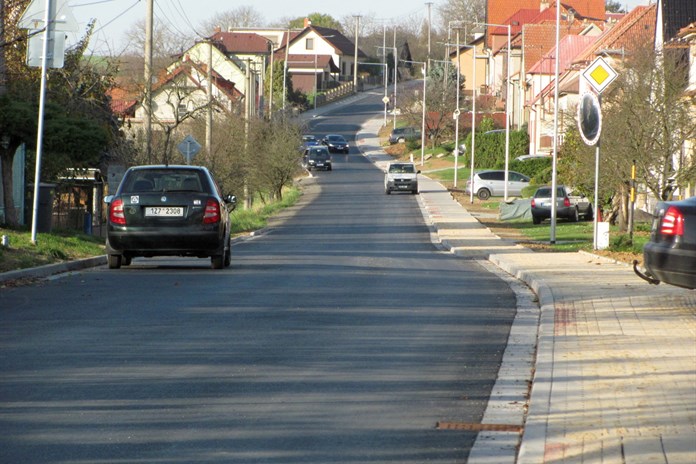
x=340, y=334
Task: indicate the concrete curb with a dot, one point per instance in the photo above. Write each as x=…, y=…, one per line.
x=51, y=269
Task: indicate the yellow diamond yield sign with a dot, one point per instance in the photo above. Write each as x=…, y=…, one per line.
x=599, y=74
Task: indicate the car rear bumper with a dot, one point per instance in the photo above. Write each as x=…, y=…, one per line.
x=179, y=242
x=675, y=266
x=563, y=212
x=402, y=184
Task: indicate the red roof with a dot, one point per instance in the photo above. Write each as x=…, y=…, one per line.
x=499, y=11
x=242, y=42
x=635, y=29
x=570, y=47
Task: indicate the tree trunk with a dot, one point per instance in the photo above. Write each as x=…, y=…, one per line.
x=6, y=161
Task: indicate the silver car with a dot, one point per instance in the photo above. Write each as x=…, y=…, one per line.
x=401, y=177
x=492, y=184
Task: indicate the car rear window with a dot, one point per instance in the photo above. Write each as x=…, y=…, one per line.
x=164, y=180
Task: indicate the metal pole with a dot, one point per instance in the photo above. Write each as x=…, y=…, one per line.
x=209, y=113
x=315, y=77
x=386, y=72
x=507, y=120
x=396, y=75
x=552, y=237
x=456, y=119
x=595, y=244
x=425, y=67
x=473, y=124
x=355, y=60
x=148, y=78
x=270, y=90
x=48, y=31
x=285, y=70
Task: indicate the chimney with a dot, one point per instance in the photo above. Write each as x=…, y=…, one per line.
x=218, y=29
x=307, y=23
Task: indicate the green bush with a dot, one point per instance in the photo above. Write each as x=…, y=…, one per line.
x=490, y=148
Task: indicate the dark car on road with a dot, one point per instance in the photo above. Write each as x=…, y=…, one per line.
x=317, y=158
x=336, y=143
x=168, y=211
x=670, y=255
x=569, y=205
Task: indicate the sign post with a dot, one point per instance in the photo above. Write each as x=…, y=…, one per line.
x=189, y=147
x=599, y=75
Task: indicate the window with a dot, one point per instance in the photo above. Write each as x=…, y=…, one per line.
x=309, y=44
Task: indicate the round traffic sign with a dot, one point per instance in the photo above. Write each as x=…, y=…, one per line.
x=590, y=118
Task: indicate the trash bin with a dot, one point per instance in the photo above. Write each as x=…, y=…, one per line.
x=44, y=216
x=87, y=229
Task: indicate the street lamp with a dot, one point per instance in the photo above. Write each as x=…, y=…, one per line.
x=425, y=64
x=395, y=79
x=507, y=108
x=385, y=99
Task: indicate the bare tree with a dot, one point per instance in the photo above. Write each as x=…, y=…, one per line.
x=166, y=42
x=466, y=11
x=242, y=16
x=646, y=120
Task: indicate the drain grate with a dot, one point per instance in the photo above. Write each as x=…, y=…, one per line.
x=478, y=427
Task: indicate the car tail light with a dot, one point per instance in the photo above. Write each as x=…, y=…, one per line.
x=116, y=214
x=533, y=203
x=672, y=222
x=566, y=202
x=212, y=212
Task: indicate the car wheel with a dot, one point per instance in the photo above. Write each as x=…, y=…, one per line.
x=330, y=168
x=387, y=191
x=114, y=261
x=483, y=194
x=574, y=215
x=415, y=191
x=536, y=219
x=217, y=261
x=228, y=255
x=589, y=216
x=126, y=260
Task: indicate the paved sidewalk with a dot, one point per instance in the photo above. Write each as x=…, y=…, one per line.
x=615, y=371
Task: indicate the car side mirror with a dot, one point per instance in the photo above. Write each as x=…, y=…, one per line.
x=231, y=200
x=418, y=171
x=108, y=199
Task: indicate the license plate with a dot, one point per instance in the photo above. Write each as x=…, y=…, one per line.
x=403, y=186
x=168, y=211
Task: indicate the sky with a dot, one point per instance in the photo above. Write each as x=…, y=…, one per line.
x=114, y=17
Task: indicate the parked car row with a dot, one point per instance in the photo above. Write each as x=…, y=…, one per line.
x=569, y=206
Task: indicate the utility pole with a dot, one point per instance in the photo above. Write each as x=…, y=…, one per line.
x=148, y=79
x=355, y=60
x=209, y=113
x=429, y=5
x=3, y=68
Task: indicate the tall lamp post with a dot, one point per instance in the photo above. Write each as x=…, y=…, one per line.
x=385, y=99
x=457, y=110
x=425, y=65
x=507, y=107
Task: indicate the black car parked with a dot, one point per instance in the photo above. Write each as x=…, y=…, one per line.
x=168, y=211
x=670, y=255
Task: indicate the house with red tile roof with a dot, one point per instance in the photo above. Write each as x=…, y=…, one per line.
x=318, y=57
x=183, y=92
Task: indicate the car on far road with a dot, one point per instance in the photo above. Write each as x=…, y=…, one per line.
x=402, y=134
x=670, y=255
x=168, y=211
x=401, y=177
x=491, y=183
x=308, y=141
x=336, y=143
x=317, y=158
x=569, y=206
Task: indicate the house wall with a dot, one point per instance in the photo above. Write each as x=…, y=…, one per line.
x=199, y=53
x=321, y=47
